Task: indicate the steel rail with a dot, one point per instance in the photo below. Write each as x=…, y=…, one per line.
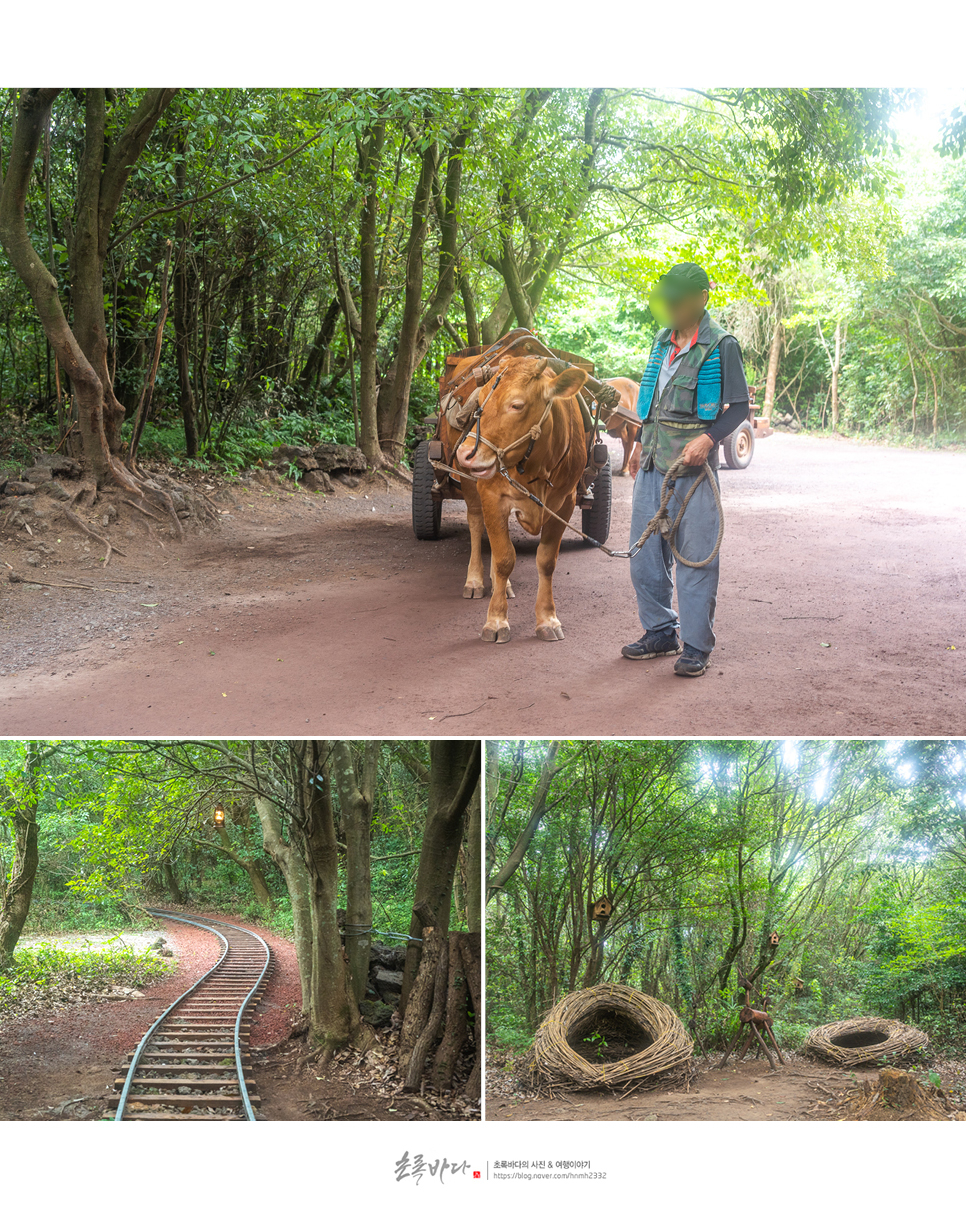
x=146, y=1039
x=249, y=1112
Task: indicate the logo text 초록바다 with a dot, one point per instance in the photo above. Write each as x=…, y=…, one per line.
x=414, y=1168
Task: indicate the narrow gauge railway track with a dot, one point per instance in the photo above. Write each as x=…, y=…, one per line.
x=192, y=1063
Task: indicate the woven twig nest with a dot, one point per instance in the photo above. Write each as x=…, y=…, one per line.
x=608, y=1036
x=846, y=1043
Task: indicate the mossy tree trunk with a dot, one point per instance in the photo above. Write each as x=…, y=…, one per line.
x=17, y=880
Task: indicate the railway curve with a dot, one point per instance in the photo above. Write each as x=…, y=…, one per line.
x=193, y=1062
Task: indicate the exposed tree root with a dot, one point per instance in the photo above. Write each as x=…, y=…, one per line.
x=15, y=578
x=137, y=507
x=76, y=521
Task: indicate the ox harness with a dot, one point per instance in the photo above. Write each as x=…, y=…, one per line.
x=660, y=523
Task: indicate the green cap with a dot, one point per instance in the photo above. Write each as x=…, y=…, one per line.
x=684, y=279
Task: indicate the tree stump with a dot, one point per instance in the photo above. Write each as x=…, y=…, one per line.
x=896, y=1096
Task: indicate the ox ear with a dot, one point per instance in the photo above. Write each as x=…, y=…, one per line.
x=567, y=384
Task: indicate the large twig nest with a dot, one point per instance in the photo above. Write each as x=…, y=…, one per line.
x=846, y=1043
x=608, y=1036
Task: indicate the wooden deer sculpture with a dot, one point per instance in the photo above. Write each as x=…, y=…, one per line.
x=753, y=1024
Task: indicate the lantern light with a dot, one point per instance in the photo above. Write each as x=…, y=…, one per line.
x=218, y=817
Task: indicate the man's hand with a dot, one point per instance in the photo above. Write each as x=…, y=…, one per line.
x=634, y=461
x=696, y=451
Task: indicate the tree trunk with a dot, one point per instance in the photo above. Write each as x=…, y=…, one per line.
x=296, y=876
x=16, y=892
x=454, y=773
x=417, y=332
x=315, y=360
x=836, y=368
x=469, y=309
x=454, y=1034
x=474, y=863
x=915, y=384
x=472, y=950
x=168, y=875
x=102, y=176
x=421, y=999
x=251, y=867
x=538, y=807
x=430, y=1030
x=183, y=297
x=357, y=787
x=771, y=377
x=370, y=158
x=935, y=401
x=497, y=320
x=334, y=1019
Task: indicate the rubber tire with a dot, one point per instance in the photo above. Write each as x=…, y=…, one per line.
x=595, y=521
x=739, y=447
x=427, y=512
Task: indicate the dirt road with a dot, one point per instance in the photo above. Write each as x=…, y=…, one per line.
x=840, y=611
x=742, y=1092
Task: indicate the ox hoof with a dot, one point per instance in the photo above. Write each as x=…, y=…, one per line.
x=550, y=633
x=470, y=591
x=499, y=636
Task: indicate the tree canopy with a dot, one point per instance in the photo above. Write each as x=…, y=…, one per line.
x=293, y=264
x=850, y=852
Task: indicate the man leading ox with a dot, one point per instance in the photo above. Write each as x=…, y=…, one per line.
x=692, y=395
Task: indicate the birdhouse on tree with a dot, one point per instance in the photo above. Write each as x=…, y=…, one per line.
x=601, y=909
x=773, y=939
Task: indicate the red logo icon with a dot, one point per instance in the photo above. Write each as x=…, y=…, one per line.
x=476, y=1174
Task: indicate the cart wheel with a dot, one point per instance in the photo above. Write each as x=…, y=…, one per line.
x=427, y=512
x=595, y=521
x=739, y=447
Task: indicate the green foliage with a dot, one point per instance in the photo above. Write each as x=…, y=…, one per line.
x=851, y=851
x=45, y=967
x=586, y=193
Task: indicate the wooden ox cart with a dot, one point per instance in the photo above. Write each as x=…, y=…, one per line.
x=459, y=396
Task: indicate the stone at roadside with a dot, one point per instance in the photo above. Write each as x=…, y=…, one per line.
x=58, y=463
x=317, y=480
x=54, y=489
x=332, y=457
x=376, y=1014
x=16, y=487
x=306, y=463
x=286, y=453
x=387, y=980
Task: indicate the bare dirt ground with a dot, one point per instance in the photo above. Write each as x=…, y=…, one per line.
x=841, y=611
x=799, y=1091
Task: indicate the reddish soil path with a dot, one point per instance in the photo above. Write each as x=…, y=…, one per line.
x=338, y=620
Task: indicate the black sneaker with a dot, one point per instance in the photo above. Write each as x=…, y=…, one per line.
x=692, y=664
x=650, y=645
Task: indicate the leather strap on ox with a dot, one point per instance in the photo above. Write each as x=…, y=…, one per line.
x=660, y=522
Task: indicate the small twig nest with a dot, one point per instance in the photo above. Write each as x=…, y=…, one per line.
x=580, y=1040
x=846, y=1043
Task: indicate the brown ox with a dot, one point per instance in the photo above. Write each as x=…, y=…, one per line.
x=625, y=431
x=522, y=400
